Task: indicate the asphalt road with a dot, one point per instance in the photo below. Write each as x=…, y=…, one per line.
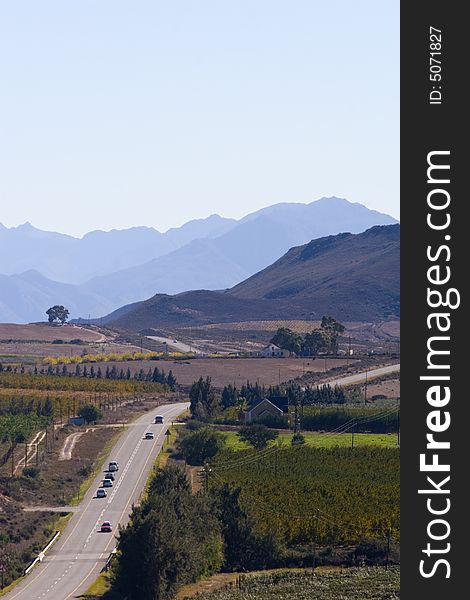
x=80, y=552
x=359, y=377
x=177, y=345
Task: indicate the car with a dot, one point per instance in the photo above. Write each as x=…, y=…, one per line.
x=106, y=527
x=110, y=476
x=107, y=483
x=149, y=435
x=175, y=341
x=159, y=419
x=101, y=493
x=113, y=466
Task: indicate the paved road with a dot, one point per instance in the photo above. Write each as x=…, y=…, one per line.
x=177, y=345
x=75, y=560
x=359, y=377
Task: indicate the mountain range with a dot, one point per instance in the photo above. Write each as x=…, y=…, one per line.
x=354, y=277
x=101, y=271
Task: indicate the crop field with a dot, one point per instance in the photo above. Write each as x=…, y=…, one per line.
x=352, y=584
x=355, y=491
x=320, y=440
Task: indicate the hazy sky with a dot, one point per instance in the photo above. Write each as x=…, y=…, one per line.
x=116, y=113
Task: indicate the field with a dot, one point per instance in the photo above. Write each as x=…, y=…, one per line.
x=318, y=440
x=351, y=584
x=355, y=491
x=268, y=371
x=28, y=344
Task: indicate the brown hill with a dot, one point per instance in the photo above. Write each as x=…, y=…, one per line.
x=353, y=277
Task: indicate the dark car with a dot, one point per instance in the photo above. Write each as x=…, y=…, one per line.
x=106, y=527
x=110, y=476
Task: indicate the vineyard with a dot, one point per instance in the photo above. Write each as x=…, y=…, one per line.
x=353, y=584
x=340, y=495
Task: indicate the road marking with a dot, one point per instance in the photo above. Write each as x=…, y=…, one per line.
x=82, y=513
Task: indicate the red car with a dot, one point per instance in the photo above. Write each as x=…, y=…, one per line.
x=106, y=527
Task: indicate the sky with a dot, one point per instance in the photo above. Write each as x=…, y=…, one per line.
x=154, y=112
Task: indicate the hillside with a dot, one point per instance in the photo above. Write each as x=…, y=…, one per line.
x=354, y=277
x=98, y=273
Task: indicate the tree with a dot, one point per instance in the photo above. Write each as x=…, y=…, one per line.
x=334, y=328
x=204, y=400
x=90, y=413
x=201, y=445
x=57, y=313
x=172, y=538
x=257, y=435
x=316, y=341
x=287, y=339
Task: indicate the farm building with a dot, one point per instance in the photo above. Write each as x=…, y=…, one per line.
x=277, y=407
x=273, y=351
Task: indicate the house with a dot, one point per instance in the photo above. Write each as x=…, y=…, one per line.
x=274, y=351
x=276, y=406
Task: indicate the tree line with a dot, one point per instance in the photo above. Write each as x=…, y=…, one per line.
x=175, y=536
x=111, y=373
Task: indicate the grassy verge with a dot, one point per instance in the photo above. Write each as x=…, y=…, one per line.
x=319, y=440
x=97, y=467
x=58, y=523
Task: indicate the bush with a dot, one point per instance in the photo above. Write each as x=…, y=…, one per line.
x=257, y=435
x=297, y=439
x=90, y=413
x=201, y=445
x=32, y=472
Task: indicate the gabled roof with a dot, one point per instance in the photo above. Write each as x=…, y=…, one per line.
x=267, y=403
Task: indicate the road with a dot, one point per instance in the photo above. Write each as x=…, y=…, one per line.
x=359, y=377
x=177, y=345
x=75, y=560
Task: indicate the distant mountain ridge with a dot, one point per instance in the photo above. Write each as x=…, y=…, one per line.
x=355, y=277
x=120, y=267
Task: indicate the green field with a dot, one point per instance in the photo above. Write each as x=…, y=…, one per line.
x=351, y=584
x=320, y=440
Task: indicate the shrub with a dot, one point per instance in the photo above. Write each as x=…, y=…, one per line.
x=201, y=445
x=32, y=472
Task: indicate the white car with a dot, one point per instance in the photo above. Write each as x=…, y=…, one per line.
x=107, y=483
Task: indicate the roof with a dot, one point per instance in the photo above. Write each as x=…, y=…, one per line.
x=266, y=402
x=281, y=402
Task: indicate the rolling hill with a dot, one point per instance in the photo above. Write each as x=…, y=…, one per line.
x=354, y=277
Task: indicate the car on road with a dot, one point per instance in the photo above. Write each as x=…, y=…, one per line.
x=107, y=483
x=101, y=493
x=110, y=476
x=106, y=527
x=113, y=466
x=149, y=435
x=175, y=341
x=159, y=419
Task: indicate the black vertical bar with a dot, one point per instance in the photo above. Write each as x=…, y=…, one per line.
x=433, y=118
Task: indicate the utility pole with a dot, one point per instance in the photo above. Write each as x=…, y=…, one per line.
x=206, y=476
x=315, y=519
x=389, y=537
x=365, y=390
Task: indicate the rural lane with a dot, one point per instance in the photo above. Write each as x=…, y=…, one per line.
x=179, y=346
x=360, y=377
x=75, y=560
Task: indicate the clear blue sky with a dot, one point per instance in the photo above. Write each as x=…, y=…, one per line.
x=152, y=112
